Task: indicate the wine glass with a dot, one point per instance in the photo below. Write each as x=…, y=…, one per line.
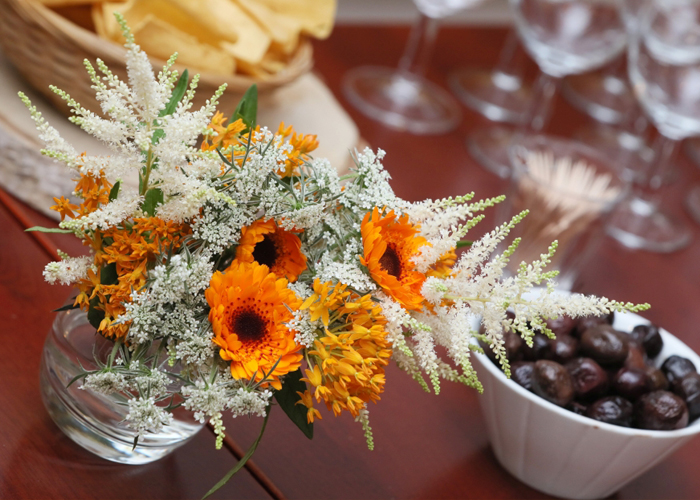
x=664, y=69
x=620, y=129
x=605, y=95
x=564, y=37
x=402, y=97
x=498, y=94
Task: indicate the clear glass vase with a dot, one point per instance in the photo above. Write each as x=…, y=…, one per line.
x=95, y=421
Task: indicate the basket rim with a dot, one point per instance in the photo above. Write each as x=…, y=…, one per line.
x=110, y=51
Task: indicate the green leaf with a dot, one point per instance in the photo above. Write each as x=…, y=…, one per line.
x=108, y=274
x=40, y=229
x=243, y=460
x=154, y=196
x=177, y=95
x=95, y=316
x=287, y=398
x=67, y=307
x=114, y=192
x=247, y=109
x=76, y=378
x=157, y=136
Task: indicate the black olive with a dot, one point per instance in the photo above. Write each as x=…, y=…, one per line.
x=552, y=382
x=605, y=345
x=631, y=383
x=661, y=411
x=563, y=349
x=612, y=410
x=563, y=325
x=541, y=348
x=688, y=388
x=676, y=367
x=650, y=338
x=522, y=373
x=589, y=379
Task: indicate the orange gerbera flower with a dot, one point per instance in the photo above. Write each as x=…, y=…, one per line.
x=249, y=306
x=389, y=245
x=265, y=243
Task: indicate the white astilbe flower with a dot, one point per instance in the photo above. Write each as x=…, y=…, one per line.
x=481, y=250
x=148, y=96
x=68, y=270
x=107, y=216
x=105, y=382
x=363, y=419
x=440, y=224
x=398, y=322
x=145, y=416
x=55, y=145
x=450, y=328
x=434, y=290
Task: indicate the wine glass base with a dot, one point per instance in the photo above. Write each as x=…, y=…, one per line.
x=604, y=98
x=489, y=147
x=628, y=151
x=401, y=100
x=638, y=224
x=496, y=95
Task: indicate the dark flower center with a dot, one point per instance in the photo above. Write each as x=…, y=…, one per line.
x=390, y=261
x=248, y=325
x=265, y=252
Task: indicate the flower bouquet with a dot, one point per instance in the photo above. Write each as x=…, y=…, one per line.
x=254, y=276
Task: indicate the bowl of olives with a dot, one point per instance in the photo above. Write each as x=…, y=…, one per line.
x=586, y=413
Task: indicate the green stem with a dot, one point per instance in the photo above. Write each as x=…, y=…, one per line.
x=149, y=164
x=243, y=460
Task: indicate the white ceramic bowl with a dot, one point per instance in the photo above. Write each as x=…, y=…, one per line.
x=564, y=454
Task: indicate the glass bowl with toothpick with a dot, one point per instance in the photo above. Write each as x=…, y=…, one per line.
x=570, y=190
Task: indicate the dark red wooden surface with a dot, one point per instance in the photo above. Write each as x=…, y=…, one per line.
x=426, y=446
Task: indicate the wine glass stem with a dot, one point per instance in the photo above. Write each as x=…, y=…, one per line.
x=419, y=47
x=665, y=152
x=508, y=72
x=542, y=94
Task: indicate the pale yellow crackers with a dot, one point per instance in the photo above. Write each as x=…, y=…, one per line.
x=255, y=37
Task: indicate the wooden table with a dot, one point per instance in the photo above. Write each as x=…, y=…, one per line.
x=427, y=446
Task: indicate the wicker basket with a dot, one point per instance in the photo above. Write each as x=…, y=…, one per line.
x=47, y=49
